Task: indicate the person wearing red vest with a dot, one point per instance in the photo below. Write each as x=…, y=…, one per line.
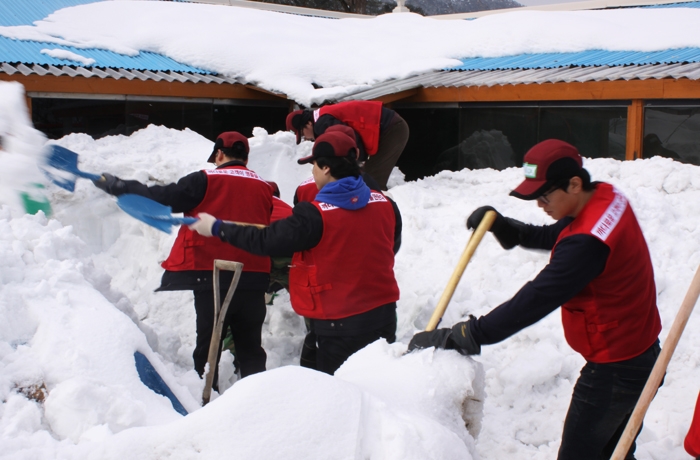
x=380, y=133
x=348, y=291
x=601, y=275
x=190, y=263
x=692, y=439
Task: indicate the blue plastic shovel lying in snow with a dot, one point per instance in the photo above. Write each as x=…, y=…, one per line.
x=150, y=377
x=61, y=159
x=151, y=212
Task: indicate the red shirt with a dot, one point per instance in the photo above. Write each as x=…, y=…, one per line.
x=233, y=193
x=615, y=316
x=341, y=277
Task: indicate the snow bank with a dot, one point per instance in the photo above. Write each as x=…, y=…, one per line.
x=77, y=295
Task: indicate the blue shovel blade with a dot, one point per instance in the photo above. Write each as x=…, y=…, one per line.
x=150, y=377
x=151, y=212
x=61, y=167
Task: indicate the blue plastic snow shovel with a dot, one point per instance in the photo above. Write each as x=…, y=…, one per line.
x=64, y=160
x=150, y=377
x=151, y=212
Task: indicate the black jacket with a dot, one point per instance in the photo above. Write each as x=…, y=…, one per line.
x=575, y=262
x=183, y=196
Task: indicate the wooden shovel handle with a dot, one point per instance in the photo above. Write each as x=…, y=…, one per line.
x=474, y=241
x=219, y=317
x=657, y=373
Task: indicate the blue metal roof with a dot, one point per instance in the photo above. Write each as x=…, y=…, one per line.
x=29, y=52
x=25, y=12
x=583, y=59
x=676, y=5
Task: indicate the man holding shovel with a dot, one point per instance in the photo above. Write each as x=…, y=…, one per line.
x=601, y=275
x=348, y=290
x=235, y=193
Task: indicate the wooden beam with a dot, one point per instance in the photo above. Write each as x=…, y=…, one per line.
x=635, y=130
x=136, y=87
x=389, y=98
x=573, y=91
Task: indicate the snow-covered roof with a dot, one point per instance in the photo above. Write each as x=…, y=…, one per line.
x=314, y=59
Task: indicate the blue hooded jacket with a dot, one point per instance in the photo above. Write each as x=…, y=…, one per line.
x=346, y=193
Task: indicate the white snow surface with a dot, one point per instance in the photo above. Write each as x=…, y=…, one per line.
x=287, y=53
x=77, y=300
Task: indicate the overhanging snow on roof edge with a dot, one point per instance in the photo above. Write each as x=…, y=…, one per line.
x=469, y=78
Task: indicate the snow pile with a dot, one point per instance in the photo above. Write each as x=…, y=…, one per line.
x=77, y=300
x=312, y=59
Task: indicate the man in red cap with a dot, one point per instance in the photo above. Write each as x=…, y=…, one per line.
x=190, y=263
x=348, y=291
x=601, y=275
x=380, y=133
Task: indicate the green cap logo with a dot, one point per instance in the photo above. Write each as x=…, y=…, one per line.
x=530, y=170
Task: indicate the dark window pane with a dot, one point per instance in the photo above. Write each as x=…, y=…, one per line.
x=432, y=131
x=494, y=137
x=59, y=117
x=244, y=118
x=597, y=132
x=672, y=132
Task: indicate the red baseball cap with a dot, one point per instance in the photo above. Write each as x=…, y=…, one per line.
x=545, y=165
x=228, y=140
x=335, y=142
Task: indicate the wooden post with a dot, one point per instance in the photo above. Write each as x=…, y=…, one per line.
x=635, y=129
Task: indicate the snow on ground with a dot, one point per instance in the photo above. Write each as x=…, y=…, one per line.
x=78, y=299
x=291, y=53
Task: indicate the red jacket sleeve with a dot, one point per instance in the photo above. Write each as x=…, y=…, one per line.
x=692, y=439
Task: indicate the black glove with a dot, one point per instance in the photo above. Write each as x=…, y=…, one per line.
x=458, y=338
x=110, y=184
x=506, y=230
x=436, y=338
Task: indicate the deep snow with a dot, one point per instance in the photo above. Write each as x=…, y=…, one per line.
x=77, y=300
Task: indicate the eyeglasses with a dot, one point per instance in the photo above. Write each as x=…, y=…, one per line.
x=543, y=198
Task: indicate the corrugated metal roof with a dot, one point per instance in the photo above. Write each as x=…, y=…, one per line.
x=583, y=58
x=451, y=78
x=72, y=71
x=29, y=52
x=676, y=5
x=25, y=12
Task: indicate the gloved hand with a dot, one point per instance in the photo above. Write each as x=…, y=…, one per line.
x=506, y=230
x=436, y=338
x=204, y=224
x=458, y=338
x=111, y=184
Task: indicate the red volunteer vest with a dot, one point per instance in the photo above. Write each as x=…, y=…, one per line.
x=362, y=116
x=614, y=317
x=233, y=193
x=692, y=439
x=280, y=210
x=351, y=270
x=307, y=191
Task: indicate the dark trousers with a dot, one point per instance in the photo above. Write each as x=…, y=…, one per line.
x=245, y=317
x=392, y=141
x=603, y=400
x=333, y=351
